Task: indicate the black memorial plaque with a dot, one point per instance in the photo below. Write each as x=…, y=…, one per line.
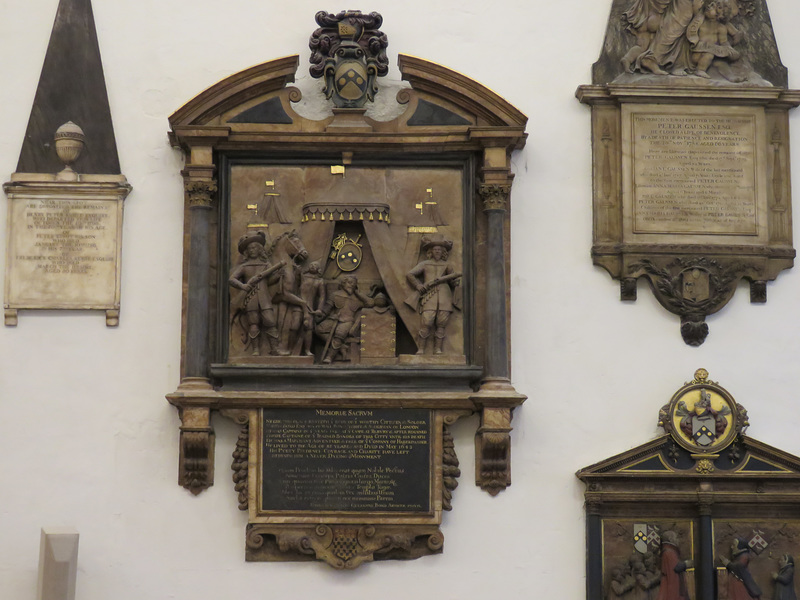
x=374, y=460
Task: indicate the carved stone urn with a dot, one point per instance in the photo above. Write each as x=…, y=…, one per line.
x=69, y=140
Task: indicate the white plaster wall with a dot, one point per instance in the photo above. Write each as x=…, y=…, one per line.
x=87, y=439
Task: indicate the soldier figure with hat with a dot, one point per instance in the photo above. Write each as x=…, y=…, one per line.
x=255, y=301
x=434, y=281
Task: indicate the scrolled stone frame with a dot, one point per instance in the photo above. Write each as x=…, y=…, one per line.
x=483, y=130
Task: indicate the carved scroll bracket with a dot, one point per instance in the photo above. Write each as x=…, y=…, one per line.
x=493, y=450
x=196, y=467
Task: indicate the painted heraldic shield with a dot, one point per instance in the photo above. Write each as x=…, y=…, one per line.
x=704, y=430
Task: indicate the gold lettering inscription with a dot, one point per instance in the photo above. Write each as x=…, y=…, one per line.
x=337, y=458
x=694, y=174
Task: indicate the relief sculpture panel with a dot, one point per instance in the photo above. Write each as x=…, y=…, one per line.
x=319, y=276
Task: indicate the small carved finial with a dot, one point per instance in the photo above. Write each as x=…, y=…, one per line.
x=69, y=141
x=700, y=376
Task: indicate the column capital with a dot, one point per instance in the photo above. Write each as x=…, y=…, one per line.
x=200, y=192
x=494, y=196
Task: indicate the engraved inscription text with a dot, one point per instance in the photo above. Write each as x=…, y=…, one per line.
x=346, y=459
x=694, y=174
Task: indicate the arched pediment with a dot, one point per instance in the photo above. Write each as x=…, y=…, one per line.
x=255, y=105
x=235, y=91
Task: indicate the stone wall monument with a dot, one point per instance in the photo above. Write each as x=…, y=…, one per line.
x=64, y=233
x=345, y=296
x=690, y=146
x=702, y=512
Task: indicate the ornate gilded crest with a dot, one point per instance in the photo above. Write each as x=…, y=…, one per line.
x=349, y=51
x=347, y=252
x=702, y=416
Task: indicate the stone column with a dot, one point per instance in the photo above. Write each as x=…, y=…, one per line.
x=594, y=551
x=495, y=200
x=497, y=397
x=705, y=571
x=196, y=470
x=200, y=190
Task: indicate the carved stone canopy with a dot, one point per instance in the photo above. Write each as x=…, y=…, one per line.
x=340, y=207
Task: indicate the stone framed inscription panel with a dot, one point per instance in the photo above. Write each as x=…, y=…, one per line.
x=690, y=146
x=345, y=461
x=688, y=174
x=345, y=297
x=64, y=245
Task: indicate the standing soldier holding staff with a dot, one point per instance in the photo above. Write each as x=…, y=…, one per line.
x=435, y=281
x=255, y=303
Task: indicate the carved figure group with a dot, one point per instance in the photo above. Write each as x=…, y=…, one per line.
x=435, y=282
x=277, y=315
x=636, y=579
x=281, y=304
x=650, y=577
x=682, y=37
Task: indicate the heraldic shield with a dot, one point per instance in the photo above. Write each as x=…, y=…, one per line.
x=350, y=80
x=349, y=256
x=702, y=415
